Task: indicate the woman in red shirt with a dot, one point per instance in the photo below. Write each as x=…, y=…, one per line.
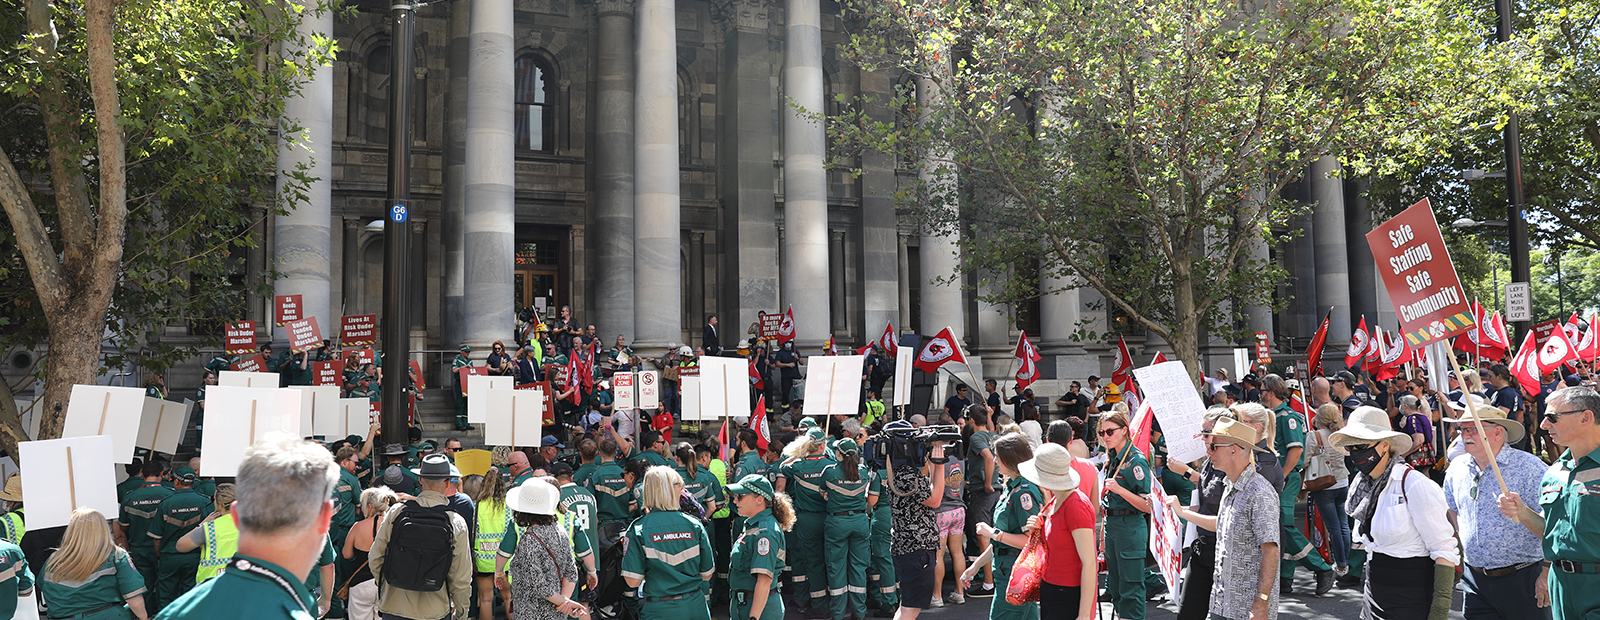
x=1068, y=520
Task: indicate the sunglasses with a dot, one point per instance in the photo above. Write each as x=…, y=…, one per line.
x=1357, y=447
x=1107, y=432
x=1214, y=446
x=1550, y=416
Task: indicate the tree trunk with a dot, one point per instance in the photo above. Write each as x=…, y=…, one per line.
x=1184, y=335
x=73, y=356
x=11, y=430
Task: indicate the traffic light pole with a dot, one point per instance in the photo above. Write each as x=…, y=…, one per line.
x=396, y=320
x=1517, y=226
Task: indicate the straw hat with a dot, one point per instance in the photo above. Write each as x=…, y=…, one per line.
x=13, y=490
x=1368, y=425
x=1050, y=468
x=1493, y=415
x=534, y=497
x=1235, y=432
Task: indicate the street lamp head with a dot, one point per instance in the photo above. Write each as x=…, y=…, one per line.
x=1465, y=222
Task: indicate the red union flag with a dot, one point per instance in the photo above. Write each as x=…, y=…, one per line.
x=1587, y=344
x=1525, y=366
x=1495, y=341
x=1419, y=276
x=786, y=326
x=938, y=351
x=241, y=338
x=758, y=423
x=888, y=341
x=1122, y=365
x=1555, y=351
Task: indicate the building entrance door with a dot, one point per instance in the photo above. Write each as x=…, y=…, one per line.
x=538, y=278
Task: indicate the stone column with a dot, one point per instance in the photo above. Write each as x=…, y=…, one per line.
x=883, y=268
x=837, y=321
x=302, y=244
x=419, y=275
x=1364, y=282
x=454, y=207
x=903, y=257
x=1333, y=261
x=657, y=288
x=749, y=233
x=1059, y=314
x=614, y=168
x=942, y=304
x=489, y=223
x=350, y=284
x=1302, y=283
x=697, y=282
x=805, y=183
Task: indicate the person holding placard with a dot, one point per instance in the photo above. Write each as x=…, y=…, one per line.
x=178, y=514
x=1127, y=534
x=1506, y=575
x=461, y=361
x=283, y=511
x=90, y=577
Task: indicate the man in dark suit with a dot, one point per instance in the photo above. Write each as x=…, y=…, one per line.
x=708, y=339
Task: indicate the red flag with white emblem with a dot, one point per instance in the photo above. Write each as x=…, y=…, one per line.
x=939, y=350
x=1358, y=345
x=1122, y=366
x=1525, y=366
x=758, y=423
x=1028, y=368
x=786, y=326
x=1495, y=340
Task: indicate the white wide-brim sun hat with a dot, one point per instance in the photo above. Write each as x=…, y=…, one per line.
x=1050, y=468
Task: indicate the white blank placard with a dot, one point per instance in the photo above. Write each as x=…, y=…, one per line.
x=514, y=417
x=355, y=416
x=233, y=378
x=320, y=413
x=903, y=362
x=162, y=425
x=105, y=410
x=833, y=385
x=478, y=387
x=238, y=417
x=689, y=397
x=724, y=388
x=63, y=475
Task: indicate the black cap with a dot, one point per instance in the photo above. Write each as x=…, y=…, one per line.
x=1094, y=377
x=1344, y=376
x=560, y=469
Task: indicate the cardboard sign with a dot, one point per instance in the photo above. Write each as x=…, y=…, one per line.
x=286, y=308
x=1542, y=331
x=358, y=329
x=105, y=410
x=513, y=417
x=622, y=391
x=769, y=325
x=319, y=411
x=1170, y=392
x=903, y=365
x=240, y=338
x=254, y=363
x=1166, y=537
x=416, y=374
x=478, y=387
x=467, y=372
x=355, y=416
x=303, y=334
x=833, y=384
x=649, y=389
x=238, y=417
x=65, y=474
x=724, y=388
x=1263, y=348
x=235, y=378
x=162, y=424
x=326, y=373
x=1419, y=276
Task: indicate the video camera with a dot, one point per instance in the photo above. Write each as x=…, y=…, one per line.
x=910, y=444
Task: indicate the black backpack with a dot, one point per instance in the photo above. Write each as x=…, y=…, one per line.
x=421, y=547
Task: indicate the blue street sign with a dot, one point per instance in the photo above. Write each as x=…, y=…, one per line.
x=398, y=214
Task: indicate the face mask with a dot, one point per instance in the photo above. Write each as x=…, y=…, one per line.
x=1364, y=460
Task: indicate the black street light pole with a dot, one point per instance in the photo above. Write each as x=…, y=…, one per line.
x=1513, y=139
x=396, y=320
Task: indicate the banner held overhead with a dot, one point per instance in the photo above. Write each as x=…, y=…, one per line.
x=1419, y=276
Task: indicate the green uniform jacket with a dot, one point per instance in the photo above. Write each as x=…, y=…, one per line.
x=15, y=578
x=115, y=581
x=670, y=552
x=804, y=484
x=127, y=486
x=759, y=550
x=748, y=463
x=1134, y=476
x=1571, y=533
x=613, y=500
x=267, y=590
x=655, y=459
x=140, y=515
x=179, y=514
x=583, y=472
x=1021, y=500
x=580, y=503
x=847, y=495
x=1291, y=433
x=346, y=500
x=703, y=486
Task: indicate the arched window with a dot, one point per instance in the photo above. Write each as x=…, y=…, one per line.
x=536, y=106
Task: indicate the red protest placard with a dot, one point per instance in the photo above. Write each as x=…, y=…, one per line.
x=358, y=329
x=241, y=338
x=254, y=363
x=1419, y=276
x=303, y=334
x=1542, y=331
x=416, y=371
x=285, y=308
x=325, y=373
x=467, y=371
x=769, y=325
x=1263, y=348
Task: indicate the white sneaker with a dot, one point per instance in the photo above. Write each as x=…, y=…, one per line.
x=957, y=599
x=937, y=602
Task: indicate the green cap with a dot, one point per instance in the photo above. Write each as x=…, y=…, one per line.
x=817, y=434
x=753, y=483
x=846, y=446
x=354, y=439
x=466, y=349
x=184, y=473
x=808, y=423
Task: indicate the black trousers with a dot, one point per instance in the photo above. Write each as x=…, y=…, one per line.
x=1195, y=600
x=1399, y=588
x=1058, y=602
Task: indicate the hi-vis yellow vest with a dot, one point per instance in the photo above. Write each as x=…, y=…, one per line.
x=222, y=541
x=492, y=521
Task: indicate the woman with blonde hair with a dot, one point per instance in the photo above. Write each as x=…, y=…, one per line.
x=363, y=588
x=668, y=552
x=89, y=577
x=801, y=478
x=1330, y=501
x=493, y=522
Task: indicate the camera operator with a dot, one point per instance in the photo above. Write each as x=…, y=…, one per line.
x=914, y=495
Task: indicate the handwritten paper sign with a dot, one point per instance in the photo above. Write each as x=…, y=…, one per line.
x=241, y=338
x=286, y=308
x=358, y=329
x=105, y=410
x=1166, y=537
x=62, y=475
x=1168, y=390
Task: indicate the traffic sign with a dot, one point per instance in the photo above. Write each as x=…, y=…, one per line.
x=1519, y=302
x=398, y=213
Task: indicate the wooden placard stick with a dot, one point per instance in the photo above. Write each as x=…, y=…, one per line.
x=1477, y=422
x=513, y=419
x=253, y=422
x=156, y=436
x=313, y=428
x=72, y=481
x=104, y=408
x=833, y=382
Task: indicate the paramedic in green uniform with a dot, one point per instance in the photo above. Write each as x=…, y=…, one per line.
x=1289, y=443
x=283, y=504
x=669, y=553
x=850, y=496
x=18, y=580
x=883, y=587
x=137, y=522
x=1570, y=526
x=1127, y=529
x=758, y=555
x=91, y=578
x=801, y=478
x=749, y=462
x=461, y=361
x=1019, y=500
x=178, y=515
x=1174, y=484
x=701, y=484
x=612, y=492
